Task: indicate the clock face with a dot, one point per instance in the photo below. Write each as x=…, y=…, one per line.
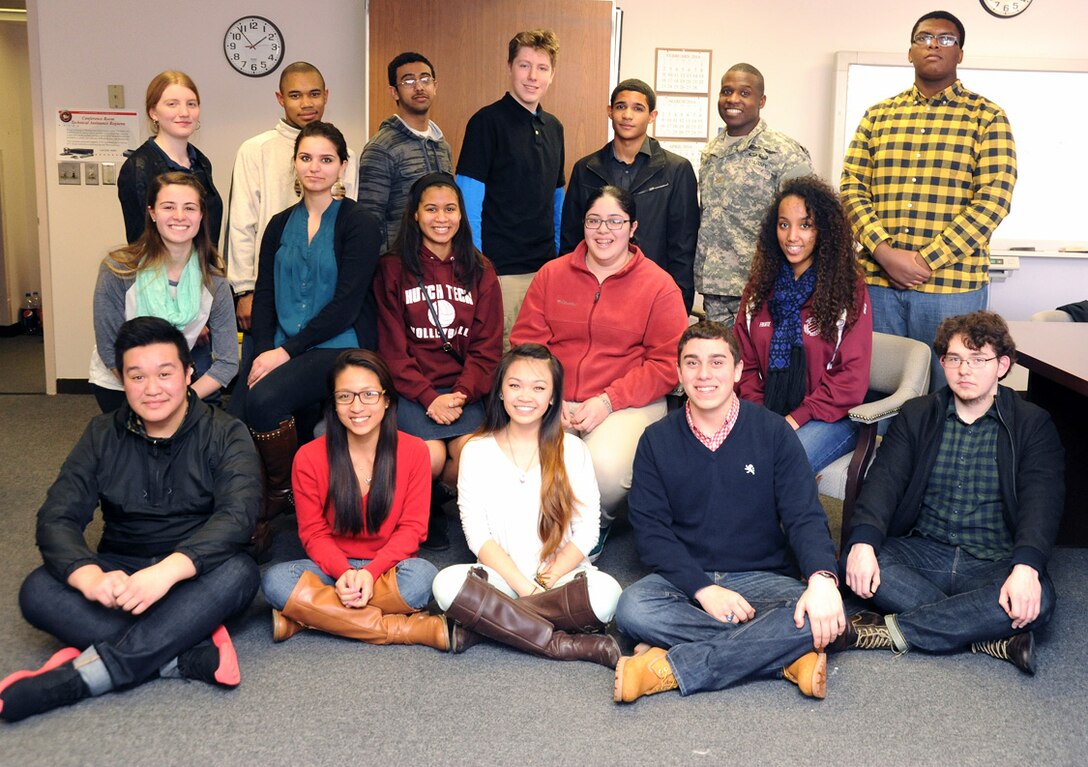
x=253, y=45
x=1005, y=9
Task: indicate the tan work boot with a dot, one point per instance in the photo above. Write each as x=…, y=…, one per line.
x=809, y=672
x=643, y=674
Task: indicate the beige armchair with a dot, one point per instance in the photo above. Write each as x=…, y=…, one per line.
x=900, y=371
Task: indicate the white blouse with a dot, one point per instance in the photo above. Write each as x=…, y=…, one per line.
x=501, y=503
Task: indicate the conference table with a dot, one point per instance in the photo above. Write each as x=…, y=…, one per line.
x=1056, y=357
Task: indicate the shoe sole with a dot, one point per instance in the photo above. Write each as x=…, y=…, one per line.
x=617, y=685
x=227, y=674
x=58, y=658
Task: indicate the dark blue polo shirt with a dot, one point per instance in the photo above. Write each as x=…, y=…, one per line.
x=519, y=158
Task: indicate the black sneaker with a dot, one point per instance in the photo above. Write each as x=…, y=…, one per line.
x=213, y=661
x=62, y=686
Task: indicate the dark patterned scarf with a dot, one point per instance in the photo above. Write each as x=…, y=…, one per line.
x=786, y=368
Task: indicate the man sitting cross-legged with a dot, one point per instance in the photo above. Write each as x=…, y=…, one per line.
x=724, y=508
x=179, y=486
x=956, y=519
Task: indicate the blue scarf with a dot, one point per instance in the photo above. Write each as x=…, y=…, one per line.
x=786, y=366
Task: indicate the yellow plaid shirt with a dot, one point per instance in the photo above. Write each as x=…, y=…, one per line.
x=934, y=176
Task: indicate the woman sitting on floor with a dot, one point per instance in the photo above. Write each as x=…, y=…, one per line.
x=530, y=509
x=806, y=330
x=439, y=329
x=361, y=493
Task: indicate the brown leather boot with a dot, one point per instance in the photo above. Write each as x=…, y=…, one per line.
x=387, y=596
x=566, y=606
x=315, y=605
x=482, y=608
x=277, y=450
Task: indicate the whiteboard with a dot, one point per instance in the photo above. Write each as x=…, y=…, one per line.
x=1047, y=105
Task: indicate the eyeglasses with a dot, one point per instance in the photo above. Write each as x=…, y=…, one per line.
x=612, y=222
x=953, y=361
x=945, y=41
x=410, y=82
x=370, y=397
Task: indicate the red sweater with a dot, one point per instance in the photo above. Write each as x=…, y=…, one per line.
x=617, y=337
x=400, y=534
x=837, y=378
x=410, y=342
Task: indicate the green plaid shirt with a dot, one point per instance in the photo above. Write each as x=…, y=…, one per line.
x=962, y=503
x=934, y=176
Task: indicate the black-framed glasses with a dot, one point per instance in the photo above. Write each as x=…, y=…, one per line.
x=369, y=397
x=612, y=222
x=945, y=41
x=410, y=81
x=953, y=361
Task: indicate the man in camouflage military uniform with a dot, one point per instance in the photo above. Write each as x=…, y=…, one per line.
x=740, y=173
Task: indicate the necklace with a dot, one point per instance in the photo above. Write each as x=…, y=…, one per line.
x=523, y=474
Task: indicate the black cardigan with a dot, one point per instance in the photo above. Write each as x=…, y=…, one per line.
x=357, y=243
x=135, y=178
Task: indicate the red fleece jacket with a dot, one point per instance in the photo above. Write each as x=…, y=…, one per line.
x=617, y=337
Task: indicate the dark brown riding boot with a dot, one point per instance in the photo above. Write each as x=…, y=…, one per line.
x=314, y=605
x=566, y=606
x=482, y=608
x=277, y=450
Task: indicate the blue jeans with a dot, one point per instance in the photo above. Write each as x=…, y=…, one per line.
x=412, y=418
x=824, y=441
x=134, y=647
x=414, y=577
x=943, y=599
x=705, y=653
x=911, y=314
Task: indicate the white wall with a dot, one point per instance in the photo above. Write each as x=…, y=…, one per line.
x=21, y=271
x=127, y=41
x=793, y=42
x=82, y=48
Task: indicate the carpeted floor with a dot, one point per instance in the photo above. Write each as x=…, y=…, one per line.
x=324, y=700
x=22, y=365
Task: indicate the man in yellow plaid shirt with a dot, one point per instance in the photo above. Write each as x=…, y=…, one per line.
x=927, y=178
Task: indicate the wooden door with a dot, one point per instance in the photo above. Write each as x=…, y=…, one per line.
x=467, y=43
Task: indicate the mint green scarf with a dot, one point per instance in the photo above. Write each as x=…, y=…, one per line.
x=178, y=307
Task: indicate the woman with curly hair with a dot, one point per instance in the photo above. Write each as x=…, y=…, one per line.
x=806, y=337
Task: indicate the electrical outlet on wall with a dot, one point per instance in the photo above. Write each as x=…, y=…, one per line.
x=116, y=96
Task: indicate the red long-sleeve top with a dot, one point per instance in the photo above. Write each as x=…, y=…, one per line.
x=400, y=534
x=616, y=337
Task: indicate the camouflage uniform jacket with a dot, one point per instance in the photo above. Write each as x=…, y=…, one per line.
x=736, y=184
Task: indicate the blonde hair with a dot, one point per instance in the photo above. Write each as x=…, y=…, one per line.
x=159, y=83
x=537, y=39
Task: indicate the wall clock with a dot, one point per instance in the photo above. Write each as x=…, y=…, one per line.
x=1005, y=9
x=253, y=46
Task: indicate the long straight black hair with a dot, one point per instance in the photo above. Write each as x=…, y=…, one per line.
x=468, y=263
x=345, y=496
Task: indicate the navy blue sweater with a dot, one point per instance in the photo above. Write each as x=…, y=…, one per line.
x=750, y=505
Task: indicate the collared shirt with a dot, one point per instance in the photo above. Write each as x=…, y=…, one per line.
x=518, y=156
x=962, y=503
x=715, y=441
x=623, y=174
x=934, y=176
